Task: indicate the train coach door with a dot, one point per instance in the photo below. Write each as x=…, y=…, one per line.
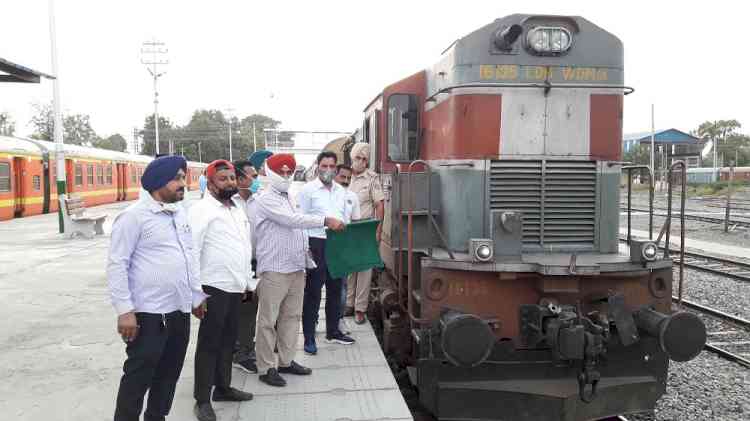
x=19, y=169
x=120, y=181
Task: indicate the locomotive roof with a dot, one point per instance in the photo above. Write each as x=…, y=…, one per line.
x=23, y=146
x=595, y=56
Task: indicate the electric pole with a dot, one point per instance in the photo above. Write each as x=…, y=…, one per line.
x=229, y=119
x=58, y=126
x=152, y=53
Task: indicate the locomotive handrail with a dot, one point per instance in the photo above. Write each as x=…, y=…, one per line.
x=629, y=169
x=399, y=276
x=410, y=234
x=627, y=89
x=668, y=223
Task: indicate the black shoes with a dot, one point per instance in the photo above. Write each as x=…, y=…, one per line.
x=272, y=378
x=295, y=368
x=339, y=338
x=204, y=412
x=247, y=366
x=231, y=395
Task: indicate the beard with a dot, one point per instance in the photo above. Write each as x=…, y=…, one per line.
x=175, y=196
x=226, y=194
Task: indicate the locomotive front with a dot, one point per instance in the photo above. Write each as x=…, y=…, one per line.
x=506, y=291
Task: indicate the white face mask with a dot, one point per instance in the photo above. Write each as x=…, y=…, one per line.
x=170, y=207
x=278, y=182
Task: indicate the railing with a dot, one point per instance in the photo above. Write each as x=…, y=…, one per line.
x=668, y=223
x=630, y=169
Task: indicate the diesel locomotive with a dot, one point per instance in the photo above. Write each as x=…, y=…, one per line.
x=506, y=293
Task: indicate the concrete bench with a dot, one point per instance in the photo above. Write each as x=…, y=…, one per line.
x=77, y=220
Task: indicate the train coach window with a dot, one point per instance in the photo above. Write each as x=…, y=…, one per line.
x=109, y=174
x=36, y=182
x=79, y=175
x=99, y=175
x=403, y=127
x=4, y=177
x=90, y=175
x=132, y=175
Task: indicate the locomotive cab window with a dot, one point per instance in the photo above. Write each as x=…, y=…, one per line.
x=403, y=127
x=4, y=177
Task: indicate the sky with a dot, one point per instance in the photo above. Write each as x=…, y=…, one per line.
x=315, y=65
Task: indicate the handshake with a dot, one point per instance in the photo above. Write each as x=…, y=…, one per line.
x=334, y=224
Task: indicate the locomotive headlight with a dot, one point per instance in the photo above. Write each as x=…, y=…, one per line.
x=481, y=249
x=649, y=251
x=548, y=40
x=484, y=252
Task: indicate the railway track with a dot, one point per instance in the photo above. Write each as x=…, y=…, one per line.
x=719, y=348
x=692, y=217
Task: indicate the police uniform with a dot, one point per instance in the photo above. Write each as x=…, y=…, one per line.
x=369, y=191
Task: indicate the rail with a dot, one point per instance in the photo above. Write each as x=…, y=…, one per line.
x=629, y=169
x=668, y=223
x=718, y=314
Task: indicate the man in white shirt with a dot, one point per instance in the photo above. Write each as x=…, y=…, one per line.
x=223, y=249
x=322, y=197
x=244, y=355
x=154, y=284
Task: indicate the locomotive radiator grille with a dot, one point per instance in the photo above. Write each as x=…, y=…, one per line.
x=557, y=198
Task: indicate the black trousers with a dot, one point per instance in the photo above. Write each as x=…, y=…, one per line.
x=248, y=314
x=314, y=282
x=154, y=363
x=216, y=337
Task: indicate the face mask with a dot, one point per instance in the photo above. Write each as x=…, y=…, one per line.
x=255, y=186
x=169, y=207
x=227, y=194
x=278, y=182
x=327, y=176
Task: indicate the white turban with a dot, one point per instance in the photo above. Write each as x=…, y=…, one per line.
x=360, y=148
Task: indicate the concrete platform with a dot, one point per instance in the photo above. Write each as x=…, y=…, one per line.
x=705, y=247
x=61, y=358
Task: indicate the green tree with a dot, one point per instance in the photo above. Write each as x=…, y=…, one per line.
x=43, y=122
x=148, y=136
x=114, y=143
x=77, y=128
x=638, y=155
x=7, y=125
x=723, y=133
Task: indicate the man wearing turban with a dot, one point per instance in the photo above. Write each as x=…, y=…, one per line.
x=154, y=285
x=281, y=250
x=366, y=184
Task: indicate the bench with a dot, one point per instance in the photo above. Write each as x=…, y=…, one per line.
x=77, y=220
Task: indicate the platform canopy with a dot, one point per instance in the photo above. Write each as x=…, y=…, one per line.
x=12, y=72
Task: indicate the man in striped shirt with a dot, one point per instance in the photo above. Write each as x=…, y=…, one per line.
x=154, y=284
x=281, y=250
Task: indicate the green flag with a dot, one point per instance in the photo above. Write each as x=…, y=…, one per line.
x=353, y=250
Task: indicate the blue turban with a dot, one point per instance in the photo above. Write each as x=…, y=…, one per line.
x=257, y=158
x=161, y=171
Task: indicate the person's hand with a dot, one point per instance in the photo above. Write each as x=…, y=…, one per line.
x=200, y=311
x=379, y=232
x=334, y=224
x=127, y=326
